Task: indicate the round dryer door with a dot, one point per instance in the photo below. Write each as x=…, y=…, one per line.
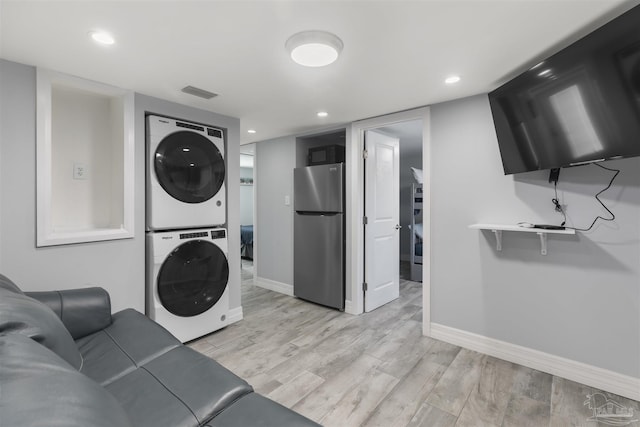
x=189, y=167
x=192, y=278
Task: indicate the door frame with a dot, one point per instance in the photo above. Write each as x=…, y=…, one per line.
x=254, y=202
x=355, y=183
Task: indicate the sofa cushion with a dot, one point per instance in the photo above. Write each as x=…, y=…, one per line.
x=24, y=315
x=128, y=342
x=200, y=383
x=41, y=389
x=147, y=403
x=6, y=283
x=179, y=388
x=157, y=380
x=258, y=411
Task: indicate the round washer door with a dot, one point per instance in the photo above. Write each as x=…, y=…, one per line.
x=192, y=278
x=189, y=167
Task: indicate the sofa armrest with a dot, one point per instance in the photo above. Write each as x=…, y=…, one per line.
x=82, y=311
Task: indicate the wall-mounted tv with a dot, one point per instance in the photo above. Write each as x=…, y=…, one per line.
x=580, y=105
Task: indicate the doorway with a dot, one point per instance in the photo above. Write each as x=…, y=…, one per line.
x=393, y=211
x=247, y=212
x=409, y=134
x=417, y=122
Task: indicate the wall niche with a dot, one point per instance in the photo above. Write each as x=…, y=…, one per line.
x=85, y=151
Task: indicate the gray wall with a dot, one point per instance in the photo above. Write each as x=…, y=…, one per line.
x=581, y=301
x=274, y=164
x=410, y=156
x=119, y=265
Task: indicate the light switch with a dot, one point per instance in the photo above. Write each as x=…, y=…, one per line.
x=287, y=200
x=80, y=171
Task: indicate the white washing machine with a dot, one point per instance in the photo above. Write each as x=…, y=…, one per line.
x=185, y=175
x=187, y=281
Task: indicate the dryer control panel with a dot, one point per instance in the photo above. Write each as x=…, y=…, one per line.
x=218, y=234
x=194, y=235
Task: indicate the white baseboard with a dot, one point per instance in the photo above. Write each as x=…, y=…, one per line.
x=348, y=307
x=234, y=315
x=273, y=285
x=590, y=375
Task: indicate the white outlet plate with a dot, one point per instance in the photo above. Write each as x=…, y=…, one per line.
x=80, y=171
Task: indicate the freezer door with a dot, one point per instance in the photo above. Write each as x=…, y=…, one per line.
x=318, y=269
x=318, y=188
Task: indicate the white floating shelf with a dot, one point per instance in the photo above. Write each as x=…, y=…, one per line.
x=497, y=230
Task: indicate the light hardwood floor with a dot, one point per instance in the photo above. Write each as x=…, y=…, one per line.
x=378, y=370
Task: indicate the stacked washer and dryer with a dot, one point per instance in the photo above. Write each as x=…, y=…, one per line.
x=187, y=268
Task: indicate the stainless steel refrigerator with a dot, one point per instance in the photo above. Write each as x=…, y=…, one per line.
x=318, y=234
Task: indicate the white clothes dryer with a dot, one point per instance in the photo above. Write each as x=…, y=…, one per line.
x=185, y=175
x=187, y=281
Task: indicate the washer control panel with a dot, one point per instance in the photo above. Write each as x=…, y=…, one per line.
x=215, y=234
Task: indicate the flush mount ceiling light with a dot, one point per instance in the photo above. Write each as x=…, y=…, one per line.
x=251, y=131
x=314, y=48
x=452, y=80
x=102, y=37
x=322, y=114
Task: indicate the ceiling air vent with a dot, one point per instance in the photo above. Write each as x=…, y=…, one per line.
x=199, y=92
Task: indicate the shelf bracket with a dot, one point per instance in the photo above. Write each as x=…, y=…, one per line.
x=543, y=243
x=498, y=234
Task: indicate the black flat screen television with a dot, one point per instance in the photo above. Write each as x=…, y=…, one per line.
x=581, y=105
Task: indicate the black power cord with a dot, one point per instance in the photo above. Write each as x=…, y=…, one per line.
x=558, y=206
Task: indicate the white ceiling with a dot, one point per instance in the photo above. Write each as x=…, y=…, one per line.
x=396, y=53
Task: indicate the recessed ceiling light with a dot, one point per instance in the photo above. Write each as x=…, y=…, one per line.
x=314, y=48
x=452, y=79
x=251, y=131
x=196, y=91
x=102, y=37
x=322, y=114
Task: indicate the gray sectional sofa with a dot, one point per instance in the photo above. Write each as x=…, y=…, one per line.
x=65, y=360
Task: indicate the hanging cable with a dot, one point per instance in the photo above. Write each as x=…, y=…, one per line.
x=559, y=208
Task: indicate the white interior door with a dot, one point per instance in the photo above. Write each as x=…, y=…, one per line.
x=382, y=212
